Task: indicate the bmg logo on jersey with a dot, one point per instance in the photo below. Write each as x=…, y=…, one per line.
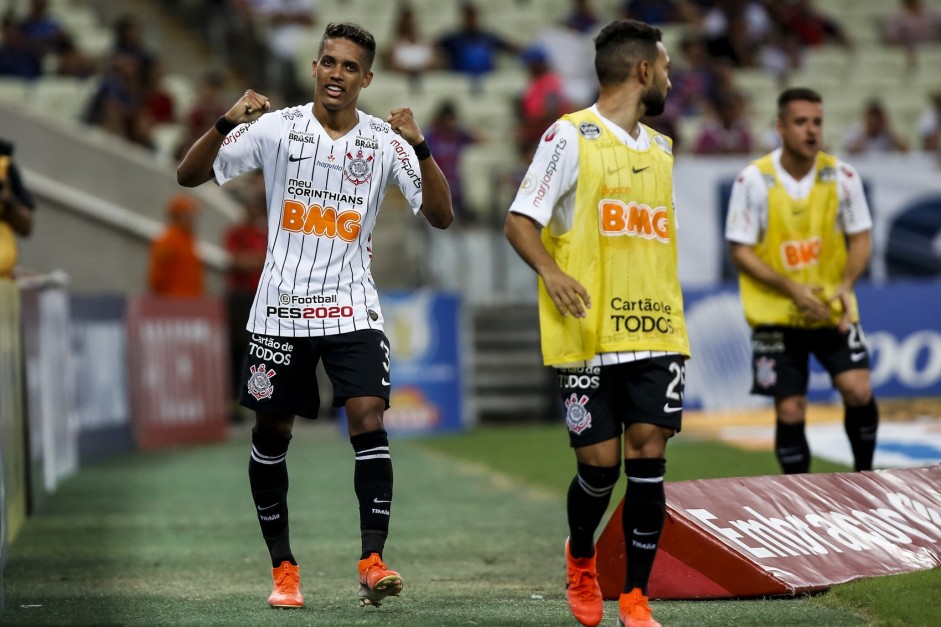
x=617, y=218
x=798, y=254
x=320, y=221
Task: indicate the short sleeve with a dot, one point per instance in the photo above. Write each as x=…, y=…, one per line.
x=855, y=216
x=748, y=207
x=550, y=176
x=406, y=172
x=243, y=148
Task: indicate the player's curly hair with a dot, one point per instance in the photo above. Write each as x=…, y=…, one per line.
x=620, y=46
x=355, y=33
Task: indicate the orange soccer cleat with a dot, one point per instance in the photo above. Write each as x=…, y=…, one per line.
x=377, y=581
x=582, y=590
x=634, y=610
x=287, y=587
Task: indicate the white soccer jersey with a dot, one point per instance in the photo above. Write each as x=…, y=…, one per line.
x=747, y=218
x=323, y=197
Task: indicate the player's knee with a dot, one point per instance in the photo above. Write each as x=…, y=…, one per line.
x=269, y=443
x=364, y=422
x=857, y=396
x=791, y=410
x=273, y=425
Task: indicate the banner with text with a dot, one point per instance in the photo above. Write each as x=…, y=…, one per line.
x=902, y=189
x=178, y=357
x=901, y=325
x=425, y=367
x=786, y=535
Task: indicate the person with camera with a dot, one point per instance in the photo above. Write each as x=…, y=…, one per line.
x=16, y=210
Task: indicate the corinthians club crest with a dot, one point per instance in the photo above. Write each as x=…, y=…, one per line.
x=765, y=372
x=358, y=170
x=259, y=382
x=577, y=418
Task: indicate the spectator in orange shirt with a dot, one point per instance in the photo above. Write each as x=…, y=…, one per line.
x=175, y=270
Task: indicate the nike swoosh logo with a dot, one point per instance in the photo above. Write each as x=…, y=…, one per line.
x=378, y=502
x=384, y=382
x=294, y=159
x=261, y=509
x=637, y=532
x=667, y=408
x=639, y=170
x=857, y=356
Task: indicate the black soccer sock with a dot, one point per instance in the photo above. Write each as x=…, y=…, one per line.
x=589, y=494
x=268, y=477
x=372, y=479
x=861, y=424
x=791, y=448
x=645, y=507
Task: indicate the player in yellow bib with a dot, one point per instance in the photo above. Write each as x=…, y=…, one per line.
x=600, y=190
x=799, y=230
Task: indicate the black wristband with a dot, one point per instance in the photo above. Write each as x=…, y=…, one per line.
x=422, y=151
x=224, y=126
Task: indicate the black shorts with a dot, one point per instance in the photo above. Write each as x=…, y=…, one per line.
x=599, y=401
x=781, y=356
x=279, y=373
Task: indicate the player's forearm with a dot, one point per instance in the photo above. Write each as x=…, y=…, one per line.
x=436, y=195
x=859, y=249
x=196, y=167
x=747, y=261
x=523, y=236
x=17, y=216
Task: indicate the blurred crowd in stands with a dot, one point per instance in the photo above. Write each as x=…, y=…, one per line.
x=256, y=43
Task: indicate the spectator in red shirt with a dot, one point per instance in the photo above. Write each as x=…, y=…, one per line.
x=209, y=105
x=810, y=26
x=157, y=103
x=543, y=101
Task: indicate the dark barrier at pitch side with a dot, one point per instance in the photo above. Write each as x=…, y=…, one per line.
x=102, y=400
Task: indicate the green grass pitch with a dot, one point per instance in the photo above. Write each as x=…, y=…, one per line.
x=170, y=538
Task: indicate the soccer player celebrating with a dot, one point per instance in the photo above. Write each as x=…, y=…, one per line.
x=327, y=167
x=600, y=188
x=799, y=228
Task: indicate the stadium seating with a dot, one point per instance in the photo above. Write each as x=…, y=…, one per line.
x=846, y=77
x=65, y=95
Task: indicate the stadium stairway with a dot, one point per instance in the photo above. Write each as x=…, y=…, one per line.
x=509, y=382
